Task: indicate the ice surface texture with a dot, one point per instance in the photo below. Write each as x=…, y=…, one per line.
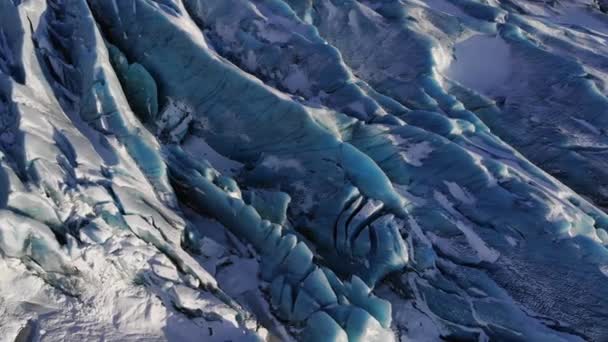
x=384, y=176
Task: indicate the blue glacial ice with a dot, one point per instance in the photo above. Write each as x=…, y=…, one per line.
x=392, y=169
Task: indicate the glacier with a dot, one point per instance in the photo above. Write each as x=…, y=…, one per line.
x=310, y=170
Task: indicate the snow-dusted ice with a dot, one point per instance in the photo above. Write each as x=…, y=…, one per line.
x=481, y=63
x=303, y=170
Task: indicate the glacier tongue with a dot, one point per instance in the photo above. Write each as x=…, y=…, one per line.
x=319, y=170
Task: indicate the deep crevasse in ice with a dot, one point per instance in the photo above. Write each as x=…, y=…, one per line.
x=310, y=170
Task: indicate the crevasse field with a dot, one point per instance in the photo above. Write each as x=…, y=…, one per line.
x=303, y=170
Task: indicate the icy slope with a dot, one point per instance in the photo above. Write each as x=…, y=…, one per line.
x=321, y=170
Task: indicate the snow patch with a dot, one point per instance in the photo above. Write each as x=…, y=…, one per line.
x=482, y=63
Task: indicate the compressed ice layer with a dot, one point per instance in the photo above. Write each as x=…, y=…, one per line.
x=269, y=40
x=475, y=235
x=478, y=178
x=466, y=155
x=258, y=104
x=299, y=289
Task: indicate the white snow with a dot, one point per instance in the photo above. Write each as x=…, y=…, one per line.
x=201, y=150
x=211, y=249
x=123, y=299
x=476, y=242
x=409, y=320
x=582, y=16
x=240, y=276
x=604, y=270
x=276, y=163
x=443, y=6
x=416, y=153
x=512, y=241
x=297, y=81
x=135, y=285
x=484, y=252
x=459, y=193
x=481, y=63
x=588, y=126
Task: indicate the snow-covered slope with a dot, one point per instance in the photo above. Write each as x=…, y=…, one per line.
x=316, y=170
